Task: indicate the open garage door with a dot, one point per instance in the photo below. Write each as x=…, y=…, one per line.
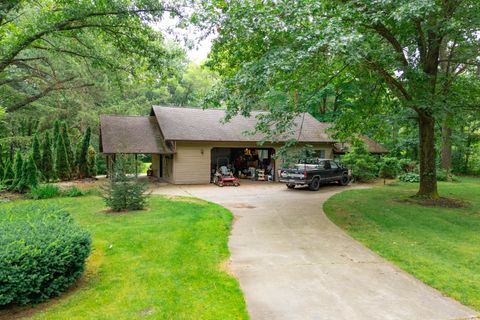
x=245, y=163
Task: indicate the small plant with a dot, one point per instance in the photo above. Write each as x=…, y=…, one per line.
x=42, y=253
x=73, y=192
x=409, y=177
x=45, y=191
x=123, y=192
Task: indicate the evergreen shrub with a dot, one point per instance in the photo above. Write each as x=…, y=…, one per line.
x=42, y=253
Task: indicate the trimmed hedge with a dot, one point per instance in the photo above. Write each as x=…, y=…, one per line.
x=42, y=252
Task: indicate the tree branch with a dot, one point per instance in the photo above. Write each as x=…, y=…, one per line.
x=387, y=35
x=59, y=85
x=389, y=79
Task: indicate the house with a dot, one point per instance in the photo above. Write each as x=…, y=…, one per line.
x=186, y=144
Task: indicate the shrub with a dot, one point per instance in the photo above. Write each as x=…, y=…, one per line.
x=407, y=165
x=45, y=191
x=409, y=177
x=124, y=193
x=443, y=175
x=73, y=192
x=29, y=176
x=361, y=162
x=389, y=168
x=42, y=253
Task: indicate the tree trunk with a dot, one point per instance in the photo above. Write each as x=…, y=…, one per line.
x=428, y=175
x=446, y=156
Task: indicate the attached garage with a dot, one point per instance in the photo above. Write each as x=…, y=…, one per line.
x=188, y=143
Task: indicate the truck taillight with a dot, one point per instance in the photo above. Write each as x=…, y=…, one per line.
x=305, y=173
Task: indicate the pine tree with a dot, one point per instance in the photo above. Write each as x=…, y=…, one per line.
x=68, y=148
x=83, y=160
x=47, y=158
x=92, y=162
x=29, y=177
x=62, y=166
x=8, y=174
x=17, y=169
x=37, y=156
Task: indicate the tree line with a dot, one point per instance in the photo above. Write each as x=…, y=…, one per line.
x=51, y=158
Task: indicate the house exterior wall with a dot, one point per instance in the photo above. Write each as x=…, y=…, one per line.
x=192, y=160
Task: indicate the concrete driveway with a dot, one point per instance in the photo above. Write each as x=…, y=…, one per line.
x=293, y=263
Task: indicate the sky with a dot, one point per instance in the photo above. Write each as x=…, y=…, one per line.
x=197, y=50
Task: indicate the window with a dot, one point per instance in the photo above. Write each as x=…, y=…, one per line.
x=319, y=153
x=334, y=165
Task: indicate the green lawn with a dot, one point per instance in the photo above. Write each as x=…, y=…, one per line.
x=164, y=263
x=439, y=246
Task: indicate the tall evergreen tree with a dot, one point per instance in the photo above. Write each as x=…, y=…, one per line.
x=56, y=133
x=62, y=166
x=47, y=167
x=17, y=169
x=68, y=148
x=83, y=156
x=29, y=177
x=37, y=155
x=92, y=162
x=8, y=174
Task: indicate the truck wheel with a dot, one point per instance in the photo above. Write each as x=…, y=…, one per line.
x=343, y=181
x=290, y=186
x=314, y=185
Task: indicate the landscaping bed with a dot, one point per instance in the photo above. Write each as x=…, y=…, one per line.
x=165, y=262
x=438, y=245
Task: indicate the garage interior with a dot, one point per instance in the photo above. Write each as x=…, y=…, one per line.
x=245, y=163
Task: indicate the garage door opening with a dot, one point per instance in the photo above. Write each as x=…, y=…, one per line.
x=245, y=163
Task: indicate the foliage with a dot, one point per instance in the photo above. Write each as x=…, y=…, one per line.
x=45, y=191
x=2, y=163
x=389, y=167
x=48, y=258
x=122, y=192
x=446, y=176
x=73, y=192
x=436, y=245
x=363, y=165
x=56, y=133
x=91, y=162
x=68, y=148
x=8, y=174
x=83, y=155
x=62, y=167
x=28, y=176
x=411, y=177
x=37, y=155
x=47, y=170
x=407, y=165
x=17, y=169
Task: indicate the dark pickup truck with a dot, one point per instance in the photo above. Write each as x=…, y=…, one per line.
x=314, y=172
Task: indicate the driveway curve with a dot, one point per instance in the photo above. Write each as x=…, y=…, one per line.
x=292, y=262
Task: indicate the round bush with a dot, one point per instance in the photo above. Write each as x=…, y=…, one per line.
x=42, y=253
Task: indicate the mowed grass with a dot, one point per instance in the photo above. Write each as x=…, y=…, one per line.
x=168, y=262
x=439, y=246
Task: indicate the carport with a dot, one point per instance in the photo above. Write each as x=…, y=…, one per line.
x=134, y=135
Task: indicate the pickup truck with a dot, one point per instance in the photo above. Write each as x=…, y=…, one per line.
x=314, y=172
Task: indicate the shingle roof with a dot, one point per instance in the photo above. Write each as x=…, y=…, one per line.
x=372, y=146
x=190, y=124
x=128, y=134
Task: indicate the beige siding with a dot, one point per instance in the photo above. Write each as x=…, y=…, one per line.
x=156, y=165
x=192, y=160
